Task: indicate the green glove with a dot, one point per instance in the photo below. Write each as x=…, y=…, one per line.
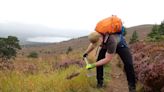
x=90, y=66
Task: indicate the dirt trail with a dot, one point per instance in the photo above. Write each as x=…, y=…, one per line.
x=118, y=81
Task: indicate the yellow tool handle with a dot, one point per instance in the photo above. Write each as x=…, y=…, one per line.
x=86, y=60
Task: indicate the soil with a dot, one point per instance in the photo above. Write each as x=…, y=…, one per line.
x=118, y=82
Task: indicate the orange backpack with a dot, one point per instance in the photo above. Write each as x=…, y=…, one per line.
x=109, y=25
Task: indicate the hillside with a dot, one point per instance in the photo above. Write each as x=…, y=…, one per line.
x=81, y=43
x=57, y=48
x=55, y=67
x=142, y=31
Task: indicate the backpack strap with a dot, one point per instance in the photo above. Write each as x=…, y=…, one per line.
x=105, y=38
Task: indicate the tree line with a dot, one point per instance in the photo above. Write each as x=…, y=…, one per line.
x=156, y=34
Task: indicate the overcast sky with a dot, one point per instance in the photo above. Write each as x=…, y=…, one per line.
x=80, y=14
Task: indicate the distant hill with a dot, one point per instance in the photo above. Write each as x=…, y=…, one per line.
x=57, y=47
x=26, y=31
x=82, y=42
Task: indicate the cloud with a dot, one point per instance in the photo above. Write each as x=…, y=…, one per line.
x=80, y=14
x=28, y=30
x=48, y=39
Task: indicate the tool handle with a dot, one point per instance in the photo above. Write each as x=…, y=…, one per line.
x=86, y=60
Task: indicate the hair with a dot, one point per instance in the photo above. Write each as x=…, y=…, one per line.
x=94, y=37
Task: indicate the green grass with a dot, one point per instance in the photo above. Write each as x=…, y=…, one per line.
x=12, y=81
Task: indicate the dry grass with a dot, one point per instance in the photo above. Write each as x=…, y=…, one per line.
x=41, y=75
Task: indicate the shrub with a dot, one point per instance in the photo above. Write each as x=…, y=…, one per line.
x=134, y=37
x=33, y=55
x=69, y=50
x=9, y=47
x=157, y=32
x=149, y=65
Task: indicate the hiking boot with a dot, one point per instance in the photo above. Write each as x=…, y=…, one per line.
x=132, y=89
x=100, y=84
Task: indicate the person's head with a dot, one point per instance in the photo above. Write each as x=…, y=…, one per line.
x=94, y=37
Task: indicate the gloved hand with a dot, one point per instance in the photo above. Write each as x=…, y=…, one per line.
x=90, y=66
x=85, y=55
